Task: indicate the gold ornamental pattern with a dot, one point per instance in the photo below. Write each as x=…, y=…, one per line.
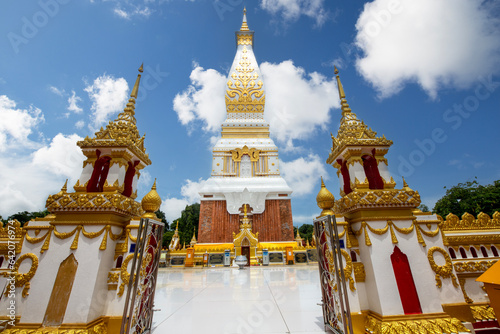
x=468, y=222
x=432, y=326
x=245, y=91
x=445, y=270
x=23, y=280
x=377, y=198
x=473, y=266
x=93, y=202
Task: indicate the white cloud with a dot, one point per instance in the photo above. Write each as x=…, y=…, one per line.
x=57, y=91
x=435, y=43
x=17, y=124
x=172, y=207
x=203, y=99
x=61, y=157
x=28, y=179
x=108, y=96
x=303, y=174
x=291, y=10
x=72, y=103
x=80, y=124
x=132, y=11
x=296, y=102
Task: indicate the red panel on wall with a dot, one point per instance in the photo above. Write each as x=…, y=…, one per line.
x=406, y=285
x=217, y=225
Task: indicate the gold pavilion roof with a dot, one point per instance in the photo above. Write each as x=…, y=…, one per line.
x=122, y=132
x=352, y=131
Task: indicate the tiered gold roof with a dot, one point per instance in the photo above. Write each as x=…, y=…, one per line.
x=122, y=132
x=352, y=131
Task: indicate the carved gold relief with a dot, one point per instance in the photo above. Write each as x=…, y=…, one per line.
x=472, y=266
x=390, y=227
x=374, y=198
x=444, y=271
x=483, y=312
x=76, y=233
x=359, y=272
x=467, y=299
x=432, y=326
x=93, y=202
x=468, y=222
x=245, y=93
x=23, y=280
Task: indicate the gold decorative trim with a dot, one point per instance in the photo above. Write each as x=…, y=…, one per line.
x=390, y=226
x=113, y=202
x=124, y=274
x=76, y=233
x=471, y=239
x=444, y=271
x=359, y=272
x=245, y=93
x=391, y=198
x=440, y=325
x=473, y=266
x=467, y=299
x=468, y=222
x=483, y=312
x=23, y=280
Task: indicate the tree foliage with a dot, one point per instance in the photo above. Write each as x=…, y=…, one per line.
x=305, y=230
x=161, y=216
x=469, y=197
x=188, y=223
x=24, y=216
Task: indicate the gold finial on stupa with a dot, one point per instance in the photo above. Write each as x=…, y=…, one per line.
x=193, y=239
x=135, y=90
x=151, y=203
x=244, y=24
x=405, y=185
x=325, y=200
x=343, y=102
x=64, y=188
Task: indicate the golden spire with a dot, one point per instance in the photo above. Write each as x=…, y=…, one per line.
x=135, y=90
x=343, y=102
x=123, y=130
x=244, y=25
x=193, y=239
x=325, y=200
x=405, y=185
x=245, y=210
x=151, y=203
x=352, y=131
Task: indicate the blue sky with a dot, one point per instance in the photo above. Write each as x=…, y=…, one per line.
x=424, y=73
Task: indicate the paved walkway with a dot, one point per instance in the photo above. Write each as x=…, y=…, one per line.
x=231, y=301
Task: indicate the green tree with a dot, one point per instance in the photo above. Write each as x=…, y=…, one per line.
x=306, y=231
x=25, y=216
x=161, y=216
x=469, y=197
x=167, y=237
x=424, y=208
x=188, y=223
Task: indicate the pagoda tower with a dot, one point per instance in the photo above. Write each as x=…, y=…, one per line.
x=70, y=263
x=397, y=269
x=245, y=164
